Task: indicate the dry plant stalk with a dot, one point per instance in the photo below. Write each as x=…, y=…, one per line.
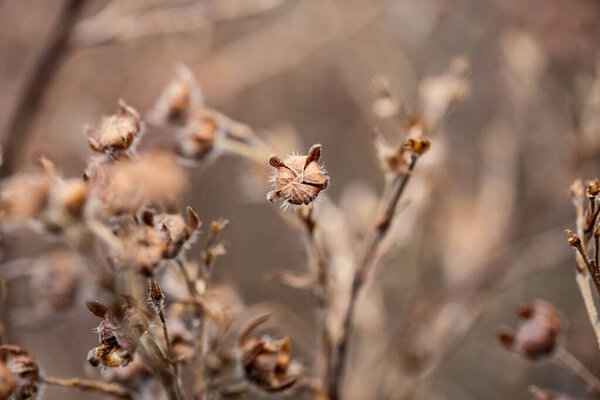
x=160, y=313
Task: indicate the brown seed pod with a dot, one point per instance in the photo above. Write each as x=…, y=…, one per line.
x=117, y=132
x=266, y=360
x=299, y=179
x=24, y=368
x=537, y=335
x=119, y=331
x=196, y=140
x=173, y=230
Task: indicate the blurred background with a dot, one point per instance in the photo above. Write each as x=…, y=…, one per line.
x=495, y=207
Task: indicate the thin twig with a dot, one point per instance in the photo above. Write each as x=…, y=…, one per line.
x=321, y=279
x=361, y=274
x=87, y=385
x=573, y=364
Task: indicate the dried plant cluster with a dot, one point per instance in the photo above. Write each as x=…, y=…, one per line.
x=165, y=330
x=538, y=335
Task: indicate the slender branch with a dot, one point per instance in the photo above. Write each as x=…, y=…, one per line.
x=157, y=299
x=573, y=364
x=361, y=274
x=48, y=63
x=87, y=385
x=199, y=384
x=321, y=279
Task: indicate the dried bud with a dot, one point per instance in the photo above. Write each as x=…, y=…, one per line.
x=155, y=294
x=299, y=179
x=173, y=230
x=417, y=146
x=8, y=382
x=22, y=367
x=218, y=225
x=117, y=132
x=593, y=188
x=23, y=197
x=266, y=360
x=573, y=240
x=129, y=184
x=118, y=332
x=197, y=138
x=176, y=100
x=577, y=190
x=537, y=335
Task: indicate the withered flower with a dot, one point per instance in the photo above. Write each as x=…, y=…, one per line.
x=593, y=188
x=119, y=331
x=299, y=179
x=266, y=360
x=126, y=186
x=173, y=230
x=196, y=140
x=8, y=382
x=23, y=381
x=178, y=98
x=117, y=132
x=538, y=333
x=24, y=196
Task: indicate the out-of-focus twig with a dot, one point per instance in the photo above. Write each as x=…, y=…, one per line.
x=361, y=274
x=87, y=385
x=48, y=63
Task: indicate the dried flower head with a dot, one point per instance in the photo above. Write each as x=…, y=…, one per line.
x=154, y=178
x=266, y=360
x=119, y=331
x=299, y=179
x=537, y=335
x=23, y=197
x=178, y=98
x=173, y=230
x=8, y=382
x=197, y=139
x=117, y=132
x=24, y=368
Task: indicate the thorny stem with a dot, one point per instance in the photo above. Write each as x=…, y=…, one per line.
x=573, y=364
x=87, y=385
x=361, y=274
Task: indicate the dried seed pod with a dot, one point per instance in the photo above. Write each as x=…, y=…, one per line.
x=118, y=332
x=24, y=368
x=196, y=140
x=299, y=179
x=537, y=335
x=180, y=96
x=8, y=382
x=266, y=360
x=117, y=132
x=23, y=197
x=173, y=230
x=128, y=185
